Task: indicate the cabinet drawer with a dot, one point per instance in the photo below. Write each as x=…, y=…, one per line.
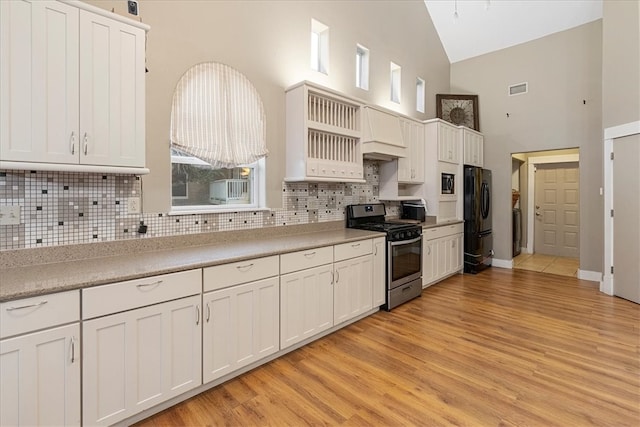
x=305, y=259
x=223, y=276
x=352, y=250
x=442, y=231
x=116, y=297
x=30, y=314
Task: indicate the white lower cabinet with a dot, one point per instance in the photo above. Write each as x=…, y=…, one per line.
x=306, y=304
x=148, y=340
x=40, y=360
x=40, y=374
x=352, y=288
x=139, y=358
x=442, y=252
x=241, y=326
x=379, y=271
x=429, y=261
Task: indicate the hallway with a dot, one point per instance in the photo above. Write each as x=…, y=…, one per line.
x=547, y=264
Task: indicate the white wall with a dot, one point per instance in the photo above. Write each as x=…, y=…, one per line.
x=563, y=109
x=269, y=42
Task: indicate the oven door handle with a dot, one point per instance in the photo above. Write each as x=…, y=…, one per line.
x=406, y=242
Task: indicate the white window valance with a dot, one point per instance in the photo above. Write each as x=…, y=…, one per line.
x=217, y=116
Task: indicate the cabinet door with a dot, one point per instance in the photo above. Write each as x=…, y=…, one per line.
x=39, y=82
x=241, y=326
x=112, y=92
x=448, y=142
x=352, y=288
x=405, y=163
x=473, y=148
x=458, y=253
x=40, y=375
x=418, y=153
x=379, y=278
x=444, y=257
x=429, y=259
x=306, y=304
x=140, y=358
x=411, y=168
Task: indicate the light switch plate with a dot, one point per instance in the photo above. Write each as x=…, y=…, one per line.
x=10, y=215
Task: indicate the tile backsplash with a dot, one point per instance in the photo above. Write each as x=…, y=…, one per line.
x=60, y=208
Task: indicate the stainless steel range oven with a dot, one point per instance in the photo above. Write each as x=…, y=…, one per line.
x=404, y=251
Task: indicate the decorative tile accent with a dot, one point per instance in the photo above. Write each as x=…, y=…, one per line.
x=60, y=208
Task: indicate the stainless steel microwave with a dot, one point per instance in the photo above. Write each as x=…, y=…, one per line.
x=448, y=183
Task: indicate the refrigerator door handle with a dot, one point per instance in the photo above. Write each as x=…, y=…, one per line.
x=485, y=200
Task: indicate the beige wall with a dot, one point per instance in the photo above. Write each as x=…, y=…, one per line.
x=620, y=62
x=268, y=41
x=562, y=109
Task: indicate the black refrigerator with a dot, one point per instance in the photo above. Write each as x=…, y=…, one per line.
x=478, y=239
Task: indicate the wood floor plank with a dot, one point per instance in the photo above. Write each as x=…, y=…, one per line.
x=501, y=348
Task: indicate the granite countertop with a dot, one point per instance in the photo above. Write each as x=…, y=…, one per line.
x=126, y=261
x=441, y=224
x=429, y=222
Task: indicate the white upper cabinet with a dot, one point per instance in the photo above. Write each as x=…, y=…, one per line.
x=39, y=77
x=323, y=136
x=112, y=92
x=449, y=148
x=73, y=84
x=411, y=168
x=473, y=145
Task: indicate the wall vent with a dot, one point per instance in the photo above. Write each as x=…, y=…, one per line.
x=518, y=89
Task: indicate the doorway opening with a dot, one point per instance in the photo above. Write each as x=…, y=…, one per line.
x=546, y=211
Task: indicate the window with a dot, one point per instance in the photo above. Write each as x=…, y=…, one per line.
x=395, y=82
x=420, y=89
x=362, y=67
x=196, y=185
x=319, y=47
x=217, y=141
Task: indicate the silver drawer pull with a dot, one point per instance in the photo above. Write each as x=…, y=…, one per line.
x=73, y=142
x=146, y=285
x=73, y=349
x=245, y=267
x=310, y=254
x=355, y=245
x=22, y=307
x=85, y=140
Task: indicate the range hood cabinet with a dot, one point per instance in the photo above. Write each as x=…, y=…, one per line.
x=381, y=135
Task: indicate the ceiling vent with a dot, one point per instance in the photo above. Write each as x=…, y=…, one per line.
x=518, y=89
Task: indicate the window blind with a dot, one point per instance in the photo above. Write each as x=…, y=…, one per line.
x=217, y=116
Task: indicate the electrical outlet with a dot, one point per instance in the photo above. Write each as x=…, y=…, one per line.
x=10, y=215
x=133, y=205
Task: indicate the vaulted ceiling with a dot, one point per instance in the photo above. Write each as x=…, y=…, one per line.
x=469, y=28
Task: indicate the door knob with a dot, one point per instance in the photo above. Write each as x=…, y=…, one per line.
x=537, y=207
x=538, y=214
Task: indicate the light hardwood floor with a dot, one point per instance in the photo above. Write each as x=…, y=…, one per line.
x=501, y=348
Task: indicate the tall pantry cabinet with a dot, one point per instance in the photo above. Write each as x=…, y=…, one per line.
x=72, y=79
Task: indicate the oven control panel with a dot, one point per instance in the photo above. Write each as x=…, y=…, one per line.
x=408, y=234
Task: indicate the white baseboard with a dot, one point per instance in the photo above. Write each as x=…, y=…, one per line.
x=524, y=250
x=594, y=276
x=502, y=263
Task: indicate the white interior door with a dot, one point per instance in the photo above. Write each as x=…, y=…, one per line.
x=626, y=218
x=557, y=210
